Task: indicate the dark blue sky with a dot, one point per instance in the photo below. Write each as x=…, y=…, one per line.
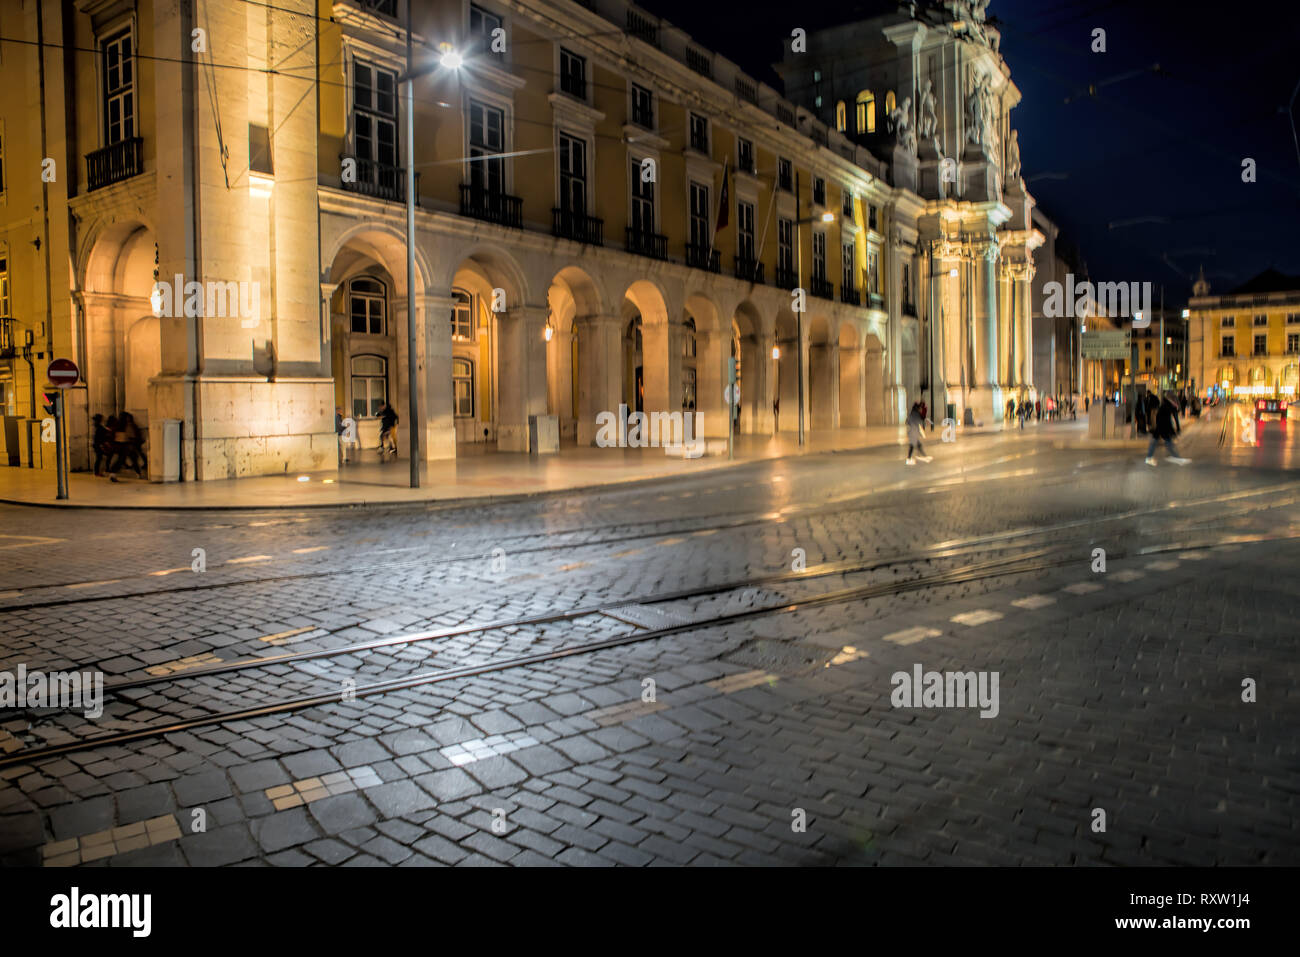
x=1183, y=93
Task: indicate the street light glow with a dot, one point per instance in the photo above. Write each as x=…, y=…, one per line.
x=776, y=352
x=450, y=58
x=828, y=217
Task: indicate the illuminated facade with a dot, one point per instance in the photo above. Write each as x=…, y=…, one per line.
x=1247, y=341
x=606, y=215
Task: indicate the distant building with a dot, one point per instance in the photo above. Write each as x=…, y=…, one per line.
x=1246, y=341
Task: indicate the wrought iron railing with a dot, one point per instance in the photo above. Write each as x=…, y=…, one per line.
x=381, y=181
x=115, y=162
x=749, y=269
x=821, y=287
x=500, y=208
x=644, y=243
x=703, y=257
x=579, y=227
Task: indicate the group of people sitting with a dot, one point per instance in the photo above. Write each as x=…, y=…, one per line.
x=117, y=442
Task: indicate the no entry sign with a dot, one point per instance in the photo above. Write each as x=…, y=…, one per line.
x=63, y=373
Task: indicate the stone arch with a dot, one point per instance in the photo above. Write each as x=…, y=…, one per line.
x=823, y=372
x=713, y=349
x=756, y=368
x=786, y=389
x=573, y=346
x=123, y=337
x=873, y=365
x=384, y=244
x=852, y=405
x=645, y=304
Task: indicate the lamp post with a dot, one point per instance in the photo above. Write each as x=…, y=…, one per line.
x=450, y=59
x=799, y=222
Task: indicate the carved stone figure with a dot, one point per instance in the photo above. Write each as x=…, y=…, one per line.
x=929, y=120
x=1013, y=157
x=901, y=122
x=975, y=113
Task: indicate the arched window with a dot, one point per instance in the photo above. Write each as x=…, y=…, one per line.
x=689, y=339
x=462, y=315
x=369, y=386
x=462, y=387
x=690, y=349
x=366, y=305
x=890, y=102
x=841, y=116
x=866, y=112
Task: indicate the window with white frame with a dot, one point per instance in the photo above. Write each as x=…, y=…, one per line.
x=573, y=74
x=369, y=386
x=573, y=175
x=366, y=305
x=374, y=113
x=487, y=165
x=785, y=245
x=1261, y=320
x=700, y=237
x=643, y=107
x=819, y=254
x=643, y=199
x=462, y=315
x=119, y=88
x=745, y=155
x=482, y=24
x=1228, y=322
x=745, y=230
x=462, y=387
x=699, y=133
x=873, y=272
x=848, y=261
x=785, y=174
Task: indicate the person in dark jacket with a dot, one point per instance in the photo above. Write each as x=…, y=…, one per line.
x=387, y=430
x=102, y=442
x=915, y=423
x=1165, y=428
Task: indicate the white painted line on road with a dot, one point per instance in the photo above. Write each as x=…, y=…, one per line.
x=110, y=842
x=110, y=581
x=1034, y=601
x=171, y=571
x=1162, y=566
x=1193, y=556
x=742, y=680
x=1082, y=588
x=671, y=541
x=248, y=558
x=314, y=548
x=847, y=653
x=910, y=636
x=981, y=616
x=467, y=752
x=1128, y=575
x=285, y=796
x=280, y=637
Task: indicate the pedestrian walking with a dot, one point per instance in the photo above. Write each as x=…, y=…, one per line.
x=102, y=442
x=387, y=431
x=915, y=422
x=128, y=448
x=1165, y=429
x=340, y=431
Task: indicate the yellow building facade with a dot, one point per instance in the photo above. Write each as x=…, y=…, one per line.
x=204, y=207
x=1246, y=342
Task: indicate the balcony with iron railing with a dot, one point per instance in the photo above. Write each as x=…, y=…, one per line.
x=492, y=207
x=703, y=257
x=785, y=277
x=850, y=295
x=821, y=287
x=115, y=162
x=578, y=226
x=643, y=28
x=749, y=269
x=381, y=181
x=642, y=242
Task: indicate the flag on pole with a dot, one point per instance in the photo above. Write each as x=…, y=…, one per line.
x=724, y=207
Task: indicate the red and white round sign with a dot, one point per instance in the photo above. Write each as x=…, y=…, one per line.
x=63, y=373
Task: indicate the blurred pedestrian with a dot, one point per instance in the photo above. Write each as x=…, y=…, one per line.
x=387, y=431
x=102, y=442
x=1165, y=429
x=915, y=422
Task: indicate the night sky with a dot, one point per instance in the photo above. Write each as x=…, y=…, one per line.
x=1181, y=98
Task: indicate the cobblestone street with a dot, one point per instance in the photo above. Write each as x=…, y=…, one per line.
x=700, y=670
